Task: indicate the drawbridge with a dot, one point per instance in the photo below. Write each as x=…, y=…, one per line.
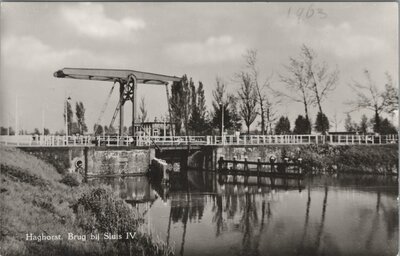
x=127, y=80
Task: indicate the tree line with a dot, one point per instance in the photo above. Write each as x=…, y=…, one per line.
x=308, y=81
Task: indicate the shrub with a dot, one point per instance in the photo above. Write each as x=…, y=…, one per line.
x=71, y=179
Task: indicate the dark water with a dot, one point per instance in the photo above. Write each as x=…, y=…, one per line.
x=323, y=215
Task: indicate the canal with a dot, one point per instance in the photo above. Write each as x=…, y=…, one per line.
x=199, y=214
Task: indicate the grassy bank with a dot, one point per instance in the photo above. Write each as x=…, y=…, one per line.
x=35, y=199
x=373, y=159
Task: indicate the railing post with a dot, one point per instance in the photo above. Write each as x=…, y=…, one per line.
x=316, y=139
x=234, y=164
x=380, y=139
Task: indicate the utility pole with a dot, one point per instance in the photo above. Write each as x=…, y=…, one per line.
x=16, y=115
x=66, y=116
x=222, y=118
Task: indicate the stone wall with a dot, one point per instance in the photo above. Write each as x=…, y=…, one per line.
x=95, y=161
x=62, y=158
x=381, y=159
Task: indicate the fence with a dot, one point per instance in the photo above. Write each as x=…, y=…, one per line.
x=58, y=141
x=301, y=139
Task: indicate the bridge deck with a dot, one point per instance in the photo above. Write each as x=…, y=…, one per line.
x=181, y=141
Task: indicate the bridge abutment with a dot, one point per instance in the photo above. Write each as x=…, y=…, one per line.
x=96, y=161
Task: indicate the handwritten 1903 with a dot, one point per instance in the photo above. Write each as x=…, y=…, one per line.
x=302, y=14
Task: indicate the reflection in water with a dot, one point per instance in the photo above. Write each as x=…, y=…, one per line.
x=199, y=214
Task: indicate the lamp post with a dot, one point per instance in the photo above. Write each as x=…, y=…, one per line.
x=221, y=106
x=66, y=117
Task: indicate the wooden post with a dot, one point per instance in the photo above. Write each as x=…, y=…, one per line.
x=300, y=169
x=246, y=169
x=220, y=163
x=258, y=169
x=246, y=165
x=272, y=163
x=234, y=165
x=285, y=162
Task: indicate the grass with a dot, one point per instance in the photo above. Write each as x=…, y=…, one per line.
x=35, y=200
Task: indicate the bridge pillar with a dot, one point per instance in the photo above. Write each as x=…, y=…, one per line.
x=127, y=92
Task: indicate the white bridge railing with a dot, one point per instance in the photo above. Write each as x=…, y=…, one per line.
x=301, y=139
x=60, y=141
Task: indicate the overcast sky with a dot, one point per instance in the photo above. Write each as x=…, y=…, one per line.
x=202, y=40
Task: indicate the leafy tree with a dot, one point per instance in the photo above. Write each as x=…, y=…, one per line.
x=74, y=129
x=143, y=111
x=349, y=125
x=369, y=97
x=99, y=130
x=198, y=122
x=36, y=132
x=322, y=123
x=387, y=127
x=110, y=130
x=7, y=131
x=302, y=125
x=80, y=118
x=282, y=126
x=180, y=103
x=363, y=127
x=248, y=100
x=70, y=114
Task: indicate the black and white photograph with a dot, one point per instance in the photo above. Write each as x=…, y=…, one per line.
x=199, y=128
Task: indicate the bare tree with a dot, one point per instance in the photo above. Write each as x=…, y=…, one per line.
x=264, y=102
x=248, y=97
x=322, y=79
x=336, y=121
x=369, y=97
x=297, y=82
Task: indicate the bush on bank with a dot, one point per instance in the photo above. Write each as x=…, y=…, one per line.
x=380, y=159
x=34, y=200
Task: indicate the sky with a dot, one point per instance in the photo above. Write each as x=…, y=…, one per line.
x=202, y=40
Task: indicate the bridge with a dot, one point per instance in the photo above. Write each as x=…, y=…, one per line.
x=128, y=81
x=185, y=141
